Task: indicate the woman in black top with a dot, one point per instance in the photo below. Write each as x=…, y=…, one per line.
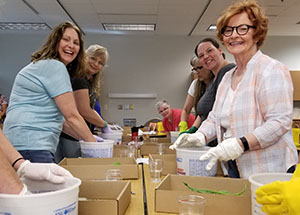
x=212, y=58
x=86, y=90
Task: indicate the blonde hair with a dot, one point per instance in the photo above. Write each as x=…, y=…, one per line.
x=255, y=14
x=97, y=79
x=50, y=49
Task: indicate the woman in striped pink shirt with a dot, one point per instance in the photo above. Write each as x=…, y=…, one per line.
x=252, y=114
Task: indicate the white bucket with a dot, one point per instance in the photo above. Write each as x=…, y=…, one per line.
x=188, y=162
x=260, y=179
x=46, y=199
x=174, y=136
x=97, y=149
x=115, y=136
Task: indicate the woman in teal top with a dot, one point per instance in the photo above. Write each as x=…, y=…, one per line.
x=41, y=97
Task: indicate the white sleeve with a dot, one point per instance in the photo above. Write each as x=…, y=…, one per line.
x=191, y=90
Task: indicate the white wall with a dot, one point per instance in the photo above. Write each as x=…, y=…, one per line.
x=137, y=64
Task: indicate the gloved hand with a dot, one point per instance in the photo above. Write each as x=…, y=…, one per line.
x=98, y=139
x=43, y=171
x=25, y=191
x=229, y=149
x=183, y=126
x=106, y=128
x=192, y=130
x=281, y=197
x=189, y=140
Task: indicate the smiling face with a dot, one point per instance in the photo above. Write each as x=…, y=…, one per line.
x=69, y=46
x=94, y=64
x=165, y=111
x=202, y=74
x=240, y=45
x=209, y=56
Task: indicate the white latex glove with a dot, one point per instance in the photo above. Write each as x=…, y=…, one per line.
x=24, y=190
x=229, y=149
x=43, y=171
x=189, y=140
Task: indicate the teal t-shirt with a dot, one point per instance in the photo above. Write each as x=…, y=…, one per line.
x=33, y=120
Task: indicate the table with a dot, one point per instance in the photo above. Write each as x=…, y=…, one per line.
x=136, y=206
x=150, y=194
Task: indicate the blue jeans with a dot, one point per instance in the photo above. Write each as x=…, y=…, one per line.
x=38, y=156
x=67, y=148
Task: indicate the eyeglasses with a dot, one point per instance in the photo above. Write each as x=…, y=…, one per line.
x=197, y=68
x=241, y=30
x=95, y=60
x=166, y=108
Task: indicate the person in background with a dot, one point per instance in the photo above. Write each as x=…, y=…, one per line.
x=252, y=114
x=41, y=102
x=13, y=166
x=212, y=58
x=3, y=107
x=280, y=197
x=195, y=92
x=86, y=90
x=171, y=117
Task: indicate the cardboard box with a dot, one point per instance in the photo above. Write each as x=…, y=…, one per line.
x=95, y=168
x=170, y=164
x=152, y=148
x=104, y=197
x=126, y=138
x=158, y=139
x=172, y=186
x=119, y=148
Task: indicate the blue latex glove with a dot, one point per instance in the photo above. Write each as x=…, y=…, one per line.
x=106, y=128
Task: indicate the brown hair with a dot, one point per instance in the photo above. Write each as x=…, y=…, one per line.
x=255, y=14
x=50, y=48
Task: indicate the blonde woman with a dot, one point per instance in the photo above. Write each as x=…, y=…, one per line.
x=195, y=92
x=86, y=90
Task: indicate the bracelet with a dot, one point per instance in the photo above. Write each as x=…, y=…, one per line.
x=245, y=143
x=14, y=163
x=105, y=125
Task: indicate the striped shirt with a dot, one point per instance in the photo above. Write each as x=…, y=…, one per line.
x=263, y=106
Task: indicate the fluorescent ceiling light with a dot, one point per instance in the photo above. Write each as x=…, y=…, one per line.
x=23, y=26
x=128, y=27
x=212, y=28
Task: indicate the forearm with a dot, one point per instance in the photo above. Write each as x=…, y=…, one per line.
x=184, y=115
x=9, y=181
x=197, y=122
x=11, y=154
x=94, y=118
x=76, y=127
x=252, y=142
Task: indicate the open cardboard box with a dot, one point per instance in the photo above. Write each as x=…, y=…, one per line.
x=170, y=164
x=119, y=148
x=104, y=197
x=158, y=139
x=152, y=148
x=172, y=186
x=95, y=168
